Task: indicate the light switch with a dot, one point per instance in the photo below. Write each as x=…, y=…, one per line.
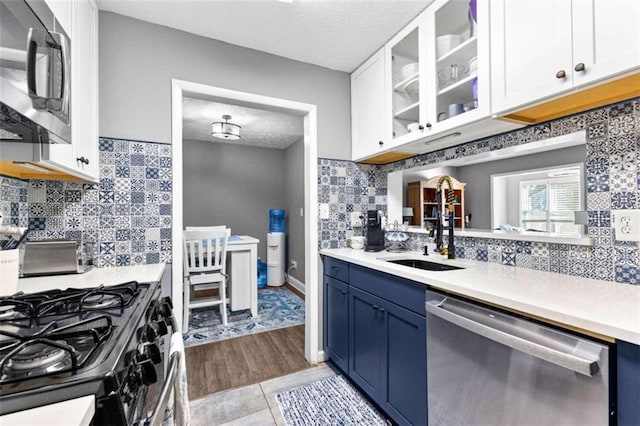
x=627, y=224
x=324, y=211
x=355, y=219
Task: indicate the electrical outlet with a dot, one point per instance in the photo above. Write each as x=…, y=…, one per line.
x=627, y=224
x=293, y=264
x=355, y=219
x=324, y=211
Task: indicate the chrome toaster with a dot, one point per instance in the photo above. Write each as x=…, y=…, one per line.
x=51, y=257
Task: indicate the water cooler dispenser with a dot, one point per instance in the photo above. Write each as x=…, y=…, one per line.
x=276, y=248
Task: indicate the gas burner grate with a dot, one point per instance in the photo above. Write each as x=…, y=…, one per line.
x=52, y=349
x=69, y=301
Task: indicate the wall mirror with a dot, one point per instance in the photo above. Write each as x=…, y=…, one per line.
x=511, y=193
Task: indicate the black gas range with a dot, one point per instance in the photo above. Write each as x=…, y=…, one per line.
x=104, y=341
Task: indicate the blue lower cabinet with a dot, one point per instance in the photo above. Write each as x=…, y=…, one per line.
x=336, y=321
x=387, y=356
x=628, y=384
x=405, y=366
x=366, y=342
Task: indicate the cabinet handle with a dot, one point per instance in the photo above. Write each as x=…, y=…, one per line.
x=580, y=67
x=375, y=307
x=561, y=74
x=381, y=309
x=343, y=292
x=380, y=143
x=83, y=160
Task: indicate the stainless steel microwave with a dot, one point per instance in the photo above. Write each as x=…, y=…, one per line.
x=35, y=79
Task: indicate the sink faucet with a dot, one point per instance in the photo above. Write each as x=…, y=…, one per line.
x=439, y=222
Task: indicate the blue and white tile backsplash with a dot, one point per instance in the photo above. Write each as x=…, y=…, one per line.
x=127, y=214
x=613, y=182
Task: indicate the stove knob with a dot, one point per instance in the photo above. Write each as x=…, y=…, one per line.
x=148, y=372
x=152, y=351
x=162, y=327
x=150, y=334
x=133, y=381
x=153, y=310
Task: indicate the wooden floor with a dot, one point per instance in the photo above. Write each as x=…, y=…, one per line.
x=244, y=360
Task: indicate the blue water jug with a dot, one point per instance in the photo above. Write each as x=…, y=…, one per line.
x=262, y=273
x=276, y=220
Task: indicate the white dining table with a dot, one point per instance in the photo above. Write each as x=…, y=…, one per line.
x=243, y=273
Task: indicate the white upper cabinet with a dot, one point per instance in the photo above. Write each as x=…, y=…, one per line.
x=368, y=133
x=406, y=81
x=544, y=48
x=606, y=38
x=458, y=76
x=84, y=105
x=79, y=19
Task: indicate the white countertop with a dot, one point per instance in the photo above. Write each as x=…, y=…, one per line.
x=610, y=309
x=78, y=411
x=93, y=278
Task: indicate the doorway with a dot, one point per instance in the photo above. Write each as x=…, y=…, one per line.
x=181, y=89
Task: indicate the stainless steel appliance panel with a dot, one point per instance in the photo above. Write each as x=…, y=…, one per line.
x=35, y=74
x=49, y=257
x=486, y=367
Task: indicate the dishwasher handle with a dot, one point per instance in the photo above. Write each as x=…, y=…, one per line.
x=566, y=360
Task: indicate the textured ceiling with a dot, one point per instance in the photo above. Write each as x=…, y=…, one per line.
x=262, y=128
x=336, y=34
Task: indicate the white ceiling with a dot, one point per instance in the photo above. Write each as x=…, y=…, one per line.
x=261, y=128
x=336, y=34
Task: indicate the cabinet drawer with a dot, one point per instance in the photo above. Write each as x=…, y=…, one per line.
x=406, y=293
x=336, y=268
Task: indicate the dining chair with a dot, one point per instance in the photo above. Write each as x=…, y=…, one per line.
x=205, y=257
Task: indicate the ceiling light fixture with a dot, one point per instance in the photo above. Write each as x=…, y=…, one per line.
x=225, y=130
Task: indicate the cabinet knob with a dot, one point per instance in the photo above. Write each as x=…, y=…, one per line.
x=428, y=125
x=83, y=160
x=381, y=309
x=561, y=74
x=375, y=307
x=380, y=143
x=421, y=127
x=580, y=67
x=343, y=292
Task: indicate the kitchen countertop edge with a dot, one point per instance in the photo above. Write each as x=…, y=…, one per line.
x=607, y=308
x=94, y=277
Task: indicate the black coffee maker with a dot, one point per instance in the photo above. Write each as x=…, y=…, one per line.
x=375, y=233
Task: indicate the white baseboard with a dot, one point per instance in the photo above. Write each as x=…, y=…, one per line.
x=297, y=284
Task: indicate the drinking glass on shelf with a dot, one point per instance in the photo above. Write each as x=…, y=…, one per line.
x=450, y=75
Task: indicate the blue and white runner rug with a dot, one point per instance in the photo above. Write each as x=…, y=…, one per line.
x=330, y=401
x=278, y=307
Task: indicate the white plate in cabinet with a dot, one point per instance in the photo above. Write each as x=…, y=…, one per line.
x=545, y=48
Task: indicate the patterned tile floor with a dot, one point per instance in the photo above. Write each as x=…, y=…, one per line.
x=278, y=307
x=253, y=404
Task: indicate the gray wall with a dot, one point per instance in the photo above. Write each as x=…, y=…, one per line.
x=233, y=185
x=477, y=195
x=139, y=59
x=294, y=201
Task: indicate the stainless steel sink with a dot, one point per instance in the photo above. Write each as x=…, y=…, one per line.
x=424, y=264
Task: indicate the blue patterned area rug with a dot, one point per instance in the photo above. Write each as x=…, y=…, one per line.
x=278, y=307
x=330, y=401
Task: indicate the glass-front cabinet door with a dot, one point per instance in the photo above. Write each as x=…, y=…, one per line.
x=457, y=63
x=406, y=93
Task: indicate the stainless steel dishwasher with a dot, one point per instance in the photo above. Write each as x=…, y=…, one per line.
x=485, y=367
